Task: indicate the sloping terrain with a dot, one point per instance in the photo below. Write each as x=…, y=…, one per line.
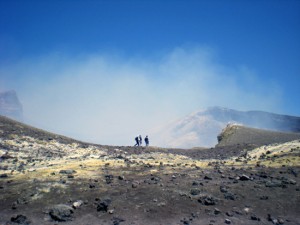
x=50, y=179
x=201, y=128
x=237, y=134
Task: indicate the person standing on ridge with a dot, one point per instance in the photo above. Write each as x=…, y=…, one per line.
x=140, y=140
x=137, y=141
x=147, y=140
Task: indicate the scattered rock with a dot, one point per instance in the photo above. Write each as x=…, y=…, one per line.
x=22, y=200
x=227, y=221
x=6, y=156
x=207, y=177
x=274, y=183
x=117, y=221
x=195, y=183
x=62, y=181
x=14, y=205
x=264, y=197
x=254, y=217
x=263, y=174
x=293, y=182
x=195, y=191
x=217, y=211
x=230, y=214
x=207, y=200
x=61, y=212
x=67, y=171
x=229, y=196
x=134, y=184
x=275, y=221
x=244, y=177
x=109, y=178
x=4, y=175
x=223, y=189
x=103, y=204
x=77, y=204
x=185, y=221
x=20, y=219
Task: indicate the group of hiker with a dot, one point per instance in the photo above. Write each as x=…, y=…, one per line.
x=139, y=140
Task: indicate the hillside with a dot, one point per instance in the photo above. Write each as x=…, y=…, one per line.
x=200, y=129
x=10, y=127
x=237, y=134
x=50, y=179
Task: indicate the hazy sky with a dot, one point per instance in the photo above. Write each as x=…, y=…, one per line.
x=105, y=71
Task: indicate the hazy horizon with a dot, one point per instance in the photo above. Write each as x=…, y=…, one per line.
x=110, y=100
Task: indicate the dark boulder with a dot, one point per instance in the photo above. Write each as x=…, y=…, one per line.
x=67, y=171
x=4, y=175
x=109, y=178
x=229, y=196
x=207, y=200
x=20, y=219
x=61, y=212
x=195, y=191
x=103, y=204
x=244, y=177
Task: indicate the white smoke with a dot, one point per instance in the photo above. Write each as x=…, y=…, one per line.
x=109, y=99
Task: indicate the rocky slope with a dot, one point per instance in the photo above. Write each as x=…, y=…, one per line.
x=10, y=105
x=50, y=179
x=202, y=128
x=237, y=134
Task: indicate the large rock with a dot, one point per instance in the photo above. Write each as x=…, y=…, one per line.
x=207, y=200
x=61, y=212
x=103, y=204
x=20, y=219
x=10, y=106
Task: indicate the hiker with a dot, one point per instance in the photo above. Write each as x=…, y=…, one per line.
x=137, y=141
x=140, y=140
x=147, y=140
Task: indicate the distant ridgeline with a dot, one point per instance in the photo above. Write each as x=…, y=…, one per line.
x=202, y=128
x=257, y=119
x=10, y=105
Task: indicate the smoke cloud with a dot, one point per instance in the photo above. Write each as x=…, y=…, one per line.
x=109, y=99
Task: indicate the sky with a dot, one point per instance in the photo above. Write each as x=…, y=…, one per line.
x=106, y=71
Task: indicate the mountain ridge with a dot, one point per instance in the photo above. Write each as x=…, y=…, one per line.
x=201, y=128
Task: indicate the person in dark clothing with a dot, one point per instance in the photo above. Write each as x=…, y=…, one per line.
x=147, y=140
x=137, y=141
x=140, y=140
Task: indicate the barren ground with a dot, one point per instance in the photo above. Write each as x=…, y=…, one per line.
x=50, y=179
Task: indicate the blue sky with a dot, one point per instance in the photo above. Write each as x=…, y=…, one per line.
x=174, y=56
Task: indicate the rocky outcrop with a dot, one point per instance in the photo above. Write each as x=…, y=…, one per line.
x=236, y=134
x=10, y=105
